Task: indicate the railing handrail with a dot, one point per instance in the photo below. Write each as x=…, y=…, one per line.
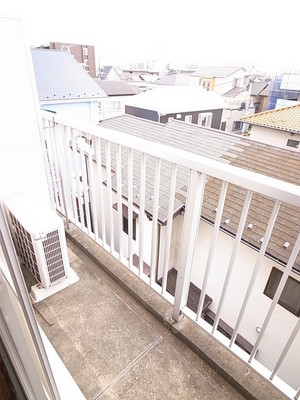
x=268, y=186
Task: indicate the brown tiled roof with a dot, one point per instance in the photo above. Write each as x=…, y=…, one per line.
x=230, y=149
x=286, y=118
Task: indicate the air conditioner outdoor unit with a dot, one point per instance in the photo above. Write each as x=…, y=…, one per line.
x=39, y=238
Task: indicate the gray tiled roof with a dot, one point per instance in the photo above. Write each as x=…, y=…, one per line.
x=235, y=91
x=241, y=152
x=117, y=88
x=216, y=72
x=258, y=87
x=175, y=78
x=60, y=77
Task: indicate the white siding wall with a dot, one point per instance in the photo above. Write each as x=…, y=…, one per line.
x=283, y=321
x=274, y=137
x=84, y=111
x=223, y=85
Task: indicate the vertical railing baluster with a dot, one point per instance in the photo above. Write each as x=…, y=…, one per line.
x=70, y=191
x=259, y=260
x=79, y=217
x=277, y=295
x=56, y=136
x=169, y=227
x=100, y=190
x=233, y=257
x=130, y=200
x=86, y=204
x=109, y=195
x=45, y=150
x=93, y=194
x=119, y=198
x=189, y=239
x=142, y=212
x=213, y=246
x=52, y=164
x=153, y=264
x=286, y=348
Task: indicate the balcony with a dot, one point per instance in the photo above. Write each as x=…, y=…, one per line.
x=156, y=208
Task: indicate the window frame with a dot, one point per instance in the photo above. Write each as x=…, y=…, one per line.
x=207, y=117
x=293, y=143
x=125, y=223
x=272, y=285
x=234, y=128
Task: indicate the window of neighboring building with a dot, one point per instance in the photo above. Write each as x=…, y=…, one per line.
x=125, y=227
x=235, y=82
x=293, y=143
x=204, y=119
x=85, y=51
x=206, y=84
x=290, y=296
x=114, y=105
x=188, y=118
x=86, y=62
x=237, y=125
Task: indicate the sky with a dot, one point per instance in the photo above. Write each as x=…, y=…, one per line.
x=260, y=34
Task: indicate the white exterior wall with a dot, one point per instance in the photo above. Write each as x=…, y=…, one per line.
x=285, y=103
x=21, y=161
x=235, y=115
x=223, y=85
x=282, y=322
x=22, y=170
x=87, y=111
x=274, y=137
x=108, y=111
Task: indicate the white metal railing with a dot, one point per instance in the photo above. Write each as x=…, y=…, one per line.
x=92, y=168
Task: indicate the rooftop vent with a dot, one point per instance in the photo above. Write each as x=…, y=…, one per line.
x=286, y=245
x=226, y=221
x=249, y=226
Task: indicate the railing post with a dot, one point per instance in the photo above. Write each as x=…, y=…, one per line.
x=189, y=238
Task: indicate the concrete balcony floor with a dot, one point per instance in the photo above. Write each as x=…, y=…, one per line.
x=117, y=338
x=115, y=349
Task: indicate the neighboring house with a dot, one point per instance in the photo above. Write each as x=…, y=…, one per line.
x=176, y=78
x=108, y=73
x=118, y=93
x=259, y=92
x=239, y=105
x=249, y=155
x=143, y=78
x=83, y=53
x=186, y=103
x=284, y=91
x=63, y=86
x=279, y=127
x=231, y=83
x=219, y=79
